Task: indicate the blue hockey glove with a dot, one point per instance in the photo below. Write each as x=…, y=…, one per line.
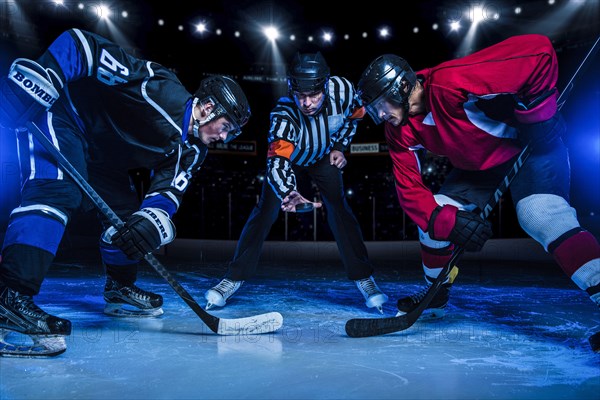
x=26, y=92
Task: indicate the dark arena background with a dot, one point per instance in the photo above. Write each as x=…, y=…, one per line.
x=517, y=328
x=222, y=196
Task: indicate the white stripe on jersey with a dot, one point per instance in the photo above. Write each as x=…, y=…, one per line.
x=59, y=172
x=88, y=51
x=479, y=119
x=176, y=172
x=31, y=157
x=153, y=103
x=165, y=193
x=190, y=170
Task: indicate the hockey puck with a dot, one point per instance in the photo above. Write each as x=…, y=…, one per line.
x=595, y=342
x=304, y=207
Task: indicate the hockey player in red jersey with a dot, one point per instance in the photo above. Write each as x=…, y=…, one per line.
x=479, y=111
x=108, y=113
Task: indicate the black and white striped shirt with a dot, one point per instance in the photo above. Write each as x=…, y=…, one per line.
x=312, y=137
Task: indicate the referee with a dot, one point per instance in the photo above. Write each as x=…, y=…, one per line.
x=309, y=131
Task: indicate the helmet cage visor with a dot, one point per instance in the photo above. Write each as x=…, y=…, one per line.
x=398, y=93
x=219, y=111
x=228, y=101
x=372, y=111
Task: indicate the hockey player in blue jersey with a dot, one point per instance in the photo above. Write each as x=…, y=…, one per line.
x=107, y=112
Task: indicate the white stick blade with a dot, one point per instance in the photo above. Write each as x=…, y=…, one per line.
x=257, y=324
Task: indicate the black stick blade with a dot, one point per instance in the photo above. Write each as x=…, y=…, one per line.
x=366, y=327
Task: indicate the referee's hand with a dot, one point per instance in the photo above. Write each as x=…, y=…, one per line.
x=294, y=202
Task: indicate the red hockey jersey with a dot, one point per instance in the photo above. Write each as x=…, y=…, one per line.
x=470, y=114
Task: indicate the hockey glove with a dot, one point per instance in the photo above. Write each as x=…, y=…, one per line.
x=145, y=231
x=462, y=228
x=26, y=92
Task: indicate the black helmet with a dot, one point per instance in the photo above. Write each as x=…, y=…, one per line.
x=308, y=73
x=387, y=77
x=229, y=100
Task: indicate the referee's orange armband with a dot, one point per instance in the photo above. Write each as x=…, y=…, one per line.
x=281, y=148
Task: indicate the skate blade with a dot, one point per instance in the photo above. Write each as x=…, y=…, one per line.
x=211, y=305
x=43, y=346
x=429, y=314
x=376, y=307
x=213, y=301
x=377, y=302
x=125, y=310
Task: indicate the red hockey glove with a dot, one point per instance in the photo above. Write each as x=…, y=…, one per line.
x=462, y=228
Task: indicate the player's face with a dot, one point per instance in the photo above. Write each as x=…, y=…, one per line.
x=389, y=112
x=309, y=103
x=215, y=130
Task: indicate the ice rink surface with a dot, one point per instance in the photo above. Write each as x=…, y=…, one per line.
x=512, y=331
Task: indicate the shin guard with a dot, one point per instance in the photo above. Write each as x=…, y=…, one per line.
x=578, y=254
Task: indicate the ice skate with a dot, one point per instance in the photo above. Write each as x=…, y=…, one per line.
x=218, y=295
x=130, y=301
x=436, y=308
x=19, y=314
x=373, y=295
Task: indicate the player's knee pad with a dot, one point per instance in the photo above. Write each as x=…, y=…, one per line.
x=37, y=225
x=545, y=217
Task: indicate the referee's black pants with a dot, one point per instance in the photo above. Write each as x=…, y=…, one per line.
x=341, y=220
